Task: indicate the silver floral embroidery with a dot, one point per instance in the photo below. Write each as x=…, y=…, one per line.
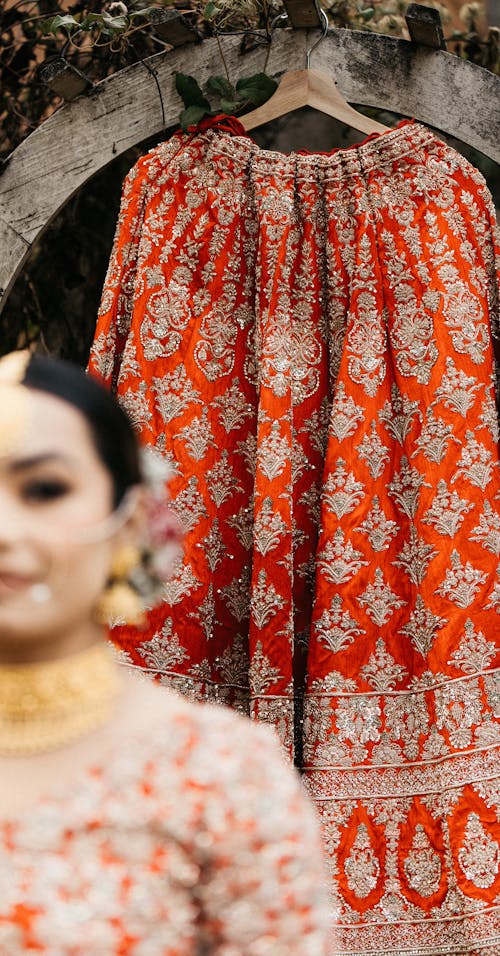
x=236, y=595
x=415, y=557
x=213, y=545
x=380, y=600
x=274, y=453
x=342, y=493
x=262, y=673
x=447, y=511
x=365, y=333
x=489, y=416
x=336, y=628
x=378, y=528
x=265, y=601
x=361, y=866
x=233, y=407
x=345, y=415
x=136, y=406
x=474, y=653
x=422, y=626
x=458, y=710
x=398, y=415
x=206, y=613
x=214, y=351
x=197, y=436
x=358, y=722
x=457, y=390
x=174, y=393
x=164, y=652
x=434, y=438
x=475, y=463
x=382, y=672
x=488, y=530
x=464, y=316
x=189, y=505
x=221, y=480
x=316, y=426
x=372, y=450
x=269, y=527
x=405, y=488
x=494, y=596
x=339, y=561
x=182, y=583
x=462, y=582
x=479, y=854
x=248, y=451
x=422, y=866
x=407, y=719
x=242, y=522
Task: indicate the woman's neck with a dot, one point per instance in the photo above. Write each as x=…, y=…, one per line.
x=25, y=649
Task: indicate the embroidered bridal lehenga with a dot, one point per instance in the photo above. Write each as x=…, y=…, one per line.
x=308, y=339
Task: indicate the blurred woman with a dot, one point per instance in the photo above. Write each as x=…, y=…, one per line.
x=133, y=821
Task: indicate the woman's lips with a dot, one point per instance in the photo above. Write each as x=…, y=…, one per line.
x=11, y=581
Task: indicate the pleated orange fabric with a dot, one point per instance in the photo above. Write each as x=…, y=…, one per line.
x=308, y=339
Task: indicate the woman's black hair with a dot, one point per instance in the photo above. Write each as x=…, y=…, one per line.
x=111, y=429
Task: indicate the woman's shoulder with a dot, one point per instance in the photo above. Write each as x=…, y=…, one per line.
x=202, y=762
x=204, y=750
x=172, y=722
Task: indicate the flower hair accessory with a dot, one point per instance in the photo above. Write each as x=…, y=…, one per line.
x=163, y=531
x=138, y=574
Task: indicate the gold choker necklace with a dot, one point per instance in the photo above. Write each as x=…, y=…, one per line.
x=46, y=705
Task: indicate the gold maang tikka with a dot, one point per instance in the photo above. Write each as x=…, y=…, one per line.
x=14, y=400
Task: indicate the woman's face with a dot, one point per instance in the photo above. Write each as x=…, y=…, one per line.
x=55, y=492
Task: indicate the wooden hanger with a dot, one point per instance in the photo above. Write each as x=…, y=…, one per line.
x=308, y=87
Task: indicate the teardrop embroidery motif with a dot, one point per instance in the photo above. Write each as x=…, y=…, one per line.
x=362, y=867
x=422, y=866
x=479, y=855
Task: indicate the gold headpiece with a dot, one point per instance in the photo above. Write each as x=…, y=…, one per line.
x=14, y=400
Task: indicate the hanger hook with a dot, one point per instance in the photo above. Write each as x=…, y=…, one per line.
x=324, y=20
x=274, y=23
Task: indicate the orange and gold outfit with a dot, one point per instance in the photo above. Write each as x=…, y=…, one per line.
x=173, y=846
x=308, y=338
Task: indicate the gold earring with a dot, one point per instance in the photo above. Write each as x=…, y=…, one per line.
x=120, y=601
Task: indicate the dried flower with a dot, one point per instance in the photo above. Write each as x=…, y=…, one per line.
x=117, y=9
x=470, y=12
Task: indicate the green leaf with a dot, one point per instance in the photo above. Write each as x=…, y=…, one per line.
x=143, y=12
x=230, y=106
x=193, y=115
x=190, y=92
x=117, y=24
x=256, y=89
x=110, y=26
x=368, y=13
x=220, y=86
x=66, y=22
x=210, y=10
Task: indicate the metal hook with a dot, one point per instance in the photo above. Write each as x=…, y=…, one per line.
x=324, y=20
x=274, y=23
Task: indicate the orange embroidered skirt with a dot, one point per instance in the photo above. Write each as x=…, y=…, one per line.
x=308, y=340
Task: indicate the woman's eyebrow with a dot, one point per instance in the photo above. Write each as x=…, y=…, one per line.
x=31, y=461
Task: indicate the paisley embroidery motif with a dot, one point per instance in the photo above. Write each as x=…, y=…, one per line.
x=361, y=866
x=479, y=854
x=422, y=866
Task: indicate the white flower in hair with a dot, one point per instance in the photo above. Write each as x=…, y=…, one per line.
x=155, y=469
